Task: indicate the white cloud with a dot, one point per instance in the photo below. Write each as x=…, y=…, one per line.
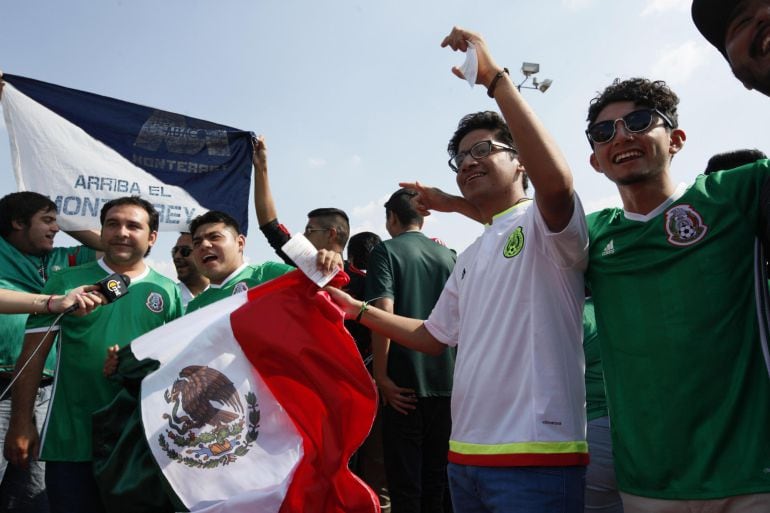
x=316, y=162
x=676, y=65
x=576, y=5
x=664, y=6
x=370, y=217
x=355, y=160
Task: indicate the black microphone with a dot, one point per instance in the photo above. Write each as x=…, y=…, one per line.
x=113, y=287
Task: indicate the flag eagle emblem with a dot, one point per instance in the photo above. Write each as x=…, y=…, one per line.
x=204, y=435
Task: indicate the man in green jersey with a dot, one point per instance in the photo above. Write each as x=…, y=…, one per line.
x=218, y=252
x=129, y=230
x=406, y=276
x=673, y=277
x=28, y=226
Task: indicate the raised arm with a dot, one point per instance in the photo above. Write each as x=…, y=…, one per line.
x=263, y=198
x=538, y=152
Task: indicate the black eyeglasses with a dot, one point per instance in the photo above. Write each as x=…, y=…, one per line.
x=478, y=151
x=184, y=250
x=635, y=122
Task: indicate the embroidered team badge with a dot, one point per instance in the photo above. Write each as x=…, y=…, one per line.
x=155, y=302
x=515, y=243
x=207, y=426
x=684, y=225
x=240, y=287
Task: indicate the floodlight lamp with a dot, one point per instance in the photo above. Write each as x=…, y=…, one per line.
x=529, y=68
x=544, y=85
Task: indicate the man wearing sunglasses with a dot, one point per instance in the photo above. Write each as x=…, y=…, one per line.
x=673, y=277
x=740, y=30
x=513, y=308
x=191, y=281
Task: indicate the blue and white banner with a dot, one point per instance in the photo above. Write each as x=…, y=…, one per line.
x=83, y=149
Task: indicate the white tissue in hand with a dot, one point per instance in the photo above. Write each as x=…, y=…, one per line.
x=470, y=67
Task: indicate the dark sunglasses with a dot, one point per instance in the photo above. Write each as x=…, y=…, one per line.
x=635, y=122
x=184, y=250
x=478, y=151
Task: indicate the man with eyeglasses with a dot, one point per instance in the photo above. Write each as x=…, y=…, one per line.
x=327, y=228
x=513, y=308
x=673, y=277
x=739, y=29
x=191, y=281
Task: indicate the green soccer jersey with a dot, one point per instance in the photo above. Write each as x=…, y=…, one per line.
x=411, y=269
x=28, y=273
x=596, y=400
x=241, y=280
x=687, y=384
x=80, y=388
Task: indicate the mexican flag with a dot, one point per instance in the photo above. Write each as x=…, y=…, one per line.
x=257, y=404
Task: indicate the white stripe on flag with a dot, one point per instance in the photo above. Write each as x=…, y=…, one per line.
x=254, y=481
x=54, y=157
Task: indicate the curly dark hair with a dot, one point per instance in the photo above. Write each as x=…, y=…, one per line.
x=643, y=92
x=484, y=120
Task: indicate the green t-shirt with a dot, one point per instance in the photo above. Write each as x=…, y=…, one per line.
x=411, y=269
x=80, y=387
x=28, y=273
x=241, y=280
x=596, y=401
x=687, y=385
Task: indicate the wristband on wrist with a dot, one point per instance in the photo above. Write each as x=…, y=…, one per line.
x=493, y=84
x=364, y=307
x=48, y=304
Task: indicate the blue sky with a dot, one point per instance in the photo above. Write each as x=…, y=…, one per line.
x=354, y=96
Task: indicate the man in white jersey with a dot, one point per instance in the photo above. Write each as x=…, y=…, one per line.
x=513, y=307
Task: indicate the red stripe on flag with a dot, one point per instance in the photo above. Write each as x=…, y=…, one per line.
x=294, y=336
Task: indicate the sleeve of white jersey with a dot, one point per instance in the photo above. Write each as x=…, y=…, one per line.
x=568, y=248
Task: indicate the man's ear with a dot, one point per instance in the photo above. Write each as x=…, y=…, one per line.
x=595, y=163
x=677, y=139
x=241, y=241
x=18, y=225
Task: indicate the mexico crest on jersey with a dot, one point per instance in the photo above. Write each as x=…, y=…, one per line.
x=684, y=225
x=241, y=286
x=515, y=243
x=155, y=302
